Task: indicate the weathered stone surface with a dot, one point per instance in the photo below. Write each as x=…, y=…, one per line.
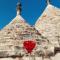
x=49, y=24
x=14, y=34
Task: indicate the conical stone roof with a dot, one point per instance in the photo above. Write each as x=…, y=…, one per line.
x=48, y=24
x=9, y=33
x=14, y=34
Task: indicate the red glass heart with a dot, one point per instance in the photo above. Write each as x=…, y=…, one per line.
x=29, y=45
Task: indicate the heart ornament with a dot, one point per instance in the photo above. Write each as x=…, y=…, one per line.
x=29, y=45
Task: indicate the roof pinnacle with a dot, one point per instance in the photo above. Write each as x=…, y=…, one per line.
x=48, y=2
x=18, y=8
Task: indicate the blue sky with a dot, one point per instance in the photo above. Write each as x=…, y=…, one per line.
x=31, y=10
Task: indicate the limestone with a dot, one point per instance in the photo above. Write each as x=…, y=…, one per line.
x=14, y=34
x=48, y=24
